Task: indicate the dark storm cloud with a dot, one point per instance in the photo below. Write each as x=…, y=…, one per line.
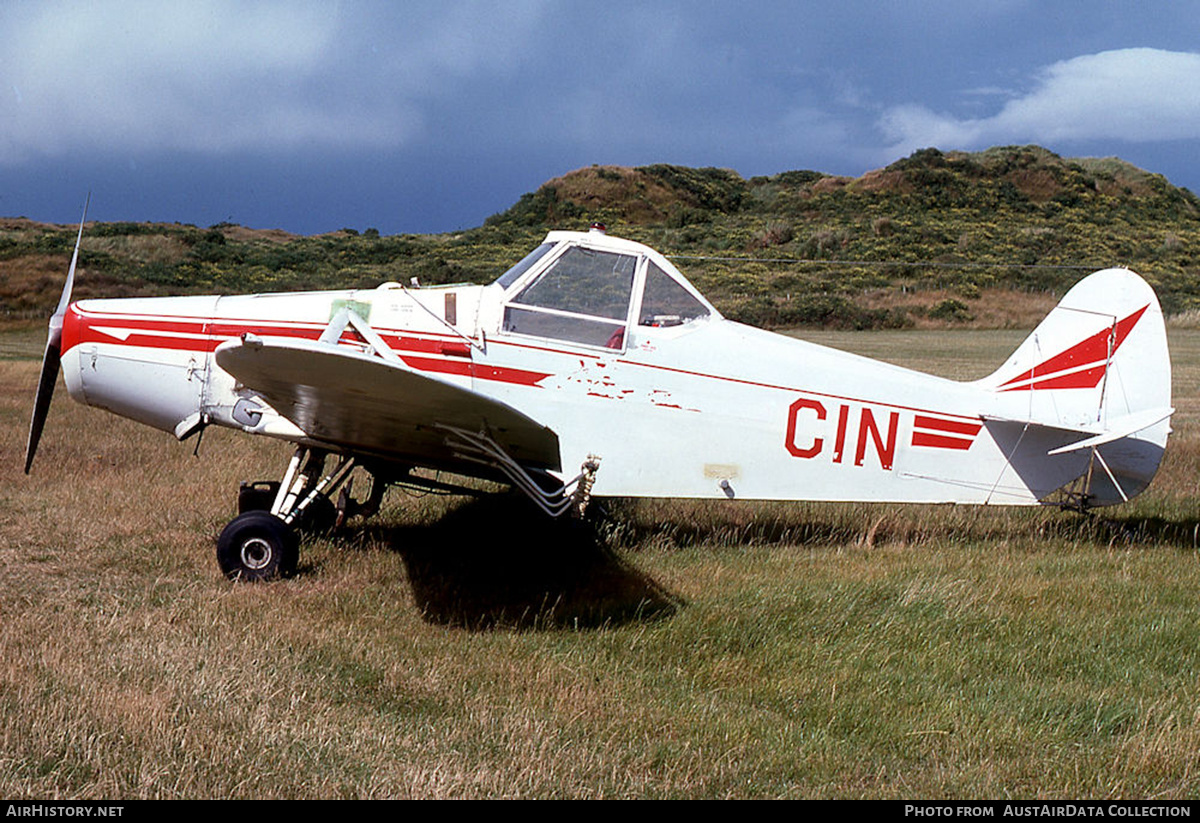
x=430, y=116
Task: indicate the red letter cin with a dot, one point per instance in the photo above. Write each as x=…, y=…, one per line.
x=868, y=433
x=813, y=448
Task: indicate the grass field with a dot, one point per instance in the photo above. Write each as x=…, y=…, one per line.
x=453, y=649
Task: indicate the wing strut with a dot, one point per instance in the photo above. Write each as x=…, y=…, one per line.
x=346, y=317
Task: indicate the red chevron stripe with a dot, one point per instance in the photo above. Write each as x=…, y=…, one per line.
x=1047, y=374
x=939, y=441
x=949, y=426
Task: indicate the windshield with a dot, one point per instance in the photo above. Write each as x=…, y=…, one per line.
x=582, y=297
x=507, y=279
x=584, y=281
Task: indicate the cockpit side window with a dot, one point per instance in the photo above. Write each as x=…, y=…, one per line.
x=583, y=297
x=665, y=302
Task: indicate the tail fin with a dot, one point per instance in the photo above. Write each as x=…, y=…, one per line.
x=1087, y=397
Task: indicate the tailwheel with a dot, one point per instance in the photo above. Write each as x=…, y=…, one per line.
x=257, y=546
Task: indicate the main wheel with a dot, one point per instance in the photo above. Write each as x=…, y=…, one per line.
x=255, y=546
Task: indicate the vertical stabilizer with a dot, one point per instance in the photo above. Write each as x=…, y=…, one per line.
x=1095, y=379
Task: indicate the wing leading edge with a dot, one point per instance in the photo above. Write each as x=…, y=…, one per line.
x=363, y=403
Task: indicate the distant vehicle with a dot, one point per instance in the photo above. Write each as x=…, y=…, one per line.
x=592, y=367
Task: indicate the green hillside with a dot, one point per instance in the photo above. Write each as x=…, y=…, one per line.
x=985, y=239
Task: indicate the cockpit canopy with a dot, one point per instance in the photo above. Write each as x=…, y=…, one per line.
x=589, y=288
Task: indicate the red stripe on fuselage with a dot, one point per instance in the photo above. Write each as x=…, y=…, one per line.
x=940, y=441
x=949, y=426
x=938, y=433
x=203, y=335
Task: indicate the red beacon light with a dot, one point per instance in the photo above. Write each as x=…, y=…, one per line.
x=600, y=228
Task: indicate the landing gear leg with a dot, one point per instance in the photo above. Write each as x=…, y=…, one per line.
x=348, y=507
x=262, y=542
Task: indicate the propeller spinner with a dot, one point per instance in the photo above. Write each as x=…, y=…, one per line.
x=53, y=356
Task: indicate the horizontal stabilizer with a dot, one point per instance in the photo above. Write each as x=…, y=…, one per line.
x=1074, y=428
x=1126, y=427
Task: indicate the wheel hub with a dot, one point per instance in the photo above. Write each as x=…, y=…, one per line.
x=256, y=553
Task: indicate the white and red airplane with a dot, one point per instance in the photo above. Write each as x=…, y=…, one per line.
x=592, y=367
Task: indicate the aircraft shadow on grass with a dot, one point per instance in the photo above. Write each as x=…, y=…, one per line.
x=1183, y=533
x=484, y=565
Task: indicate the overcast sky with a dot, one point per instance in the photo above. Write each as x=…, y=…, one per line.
x=425, y=117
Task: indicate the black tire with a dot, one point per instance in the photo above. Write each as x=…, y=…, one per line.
x=257, y=546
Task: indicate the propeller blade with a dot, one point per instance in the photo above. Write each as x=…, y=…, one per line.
x=41, y=403
x=65, y=300
x=52, y=359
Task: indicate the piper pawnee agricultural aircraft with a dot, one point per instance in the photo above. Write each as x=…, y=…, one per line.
x=593, y=368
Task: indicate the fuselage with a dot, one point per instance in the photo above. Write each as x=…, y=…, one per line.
x=674, y=399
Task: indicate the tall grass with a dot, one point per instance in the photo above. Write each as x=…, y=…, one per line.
x=453, y=648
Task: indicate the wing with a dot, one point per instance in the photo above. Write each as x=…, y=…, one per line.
x=363, y=403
